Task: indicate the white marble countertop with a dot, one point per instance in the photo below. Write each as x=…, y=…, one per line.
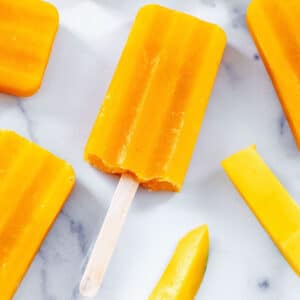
x=243, y=263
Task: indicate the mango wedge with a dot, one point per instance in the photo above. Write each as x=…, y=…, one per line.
x=275, y=209
x=34, y=185
x=27, y=32
x=184, y=274
x=274, y=25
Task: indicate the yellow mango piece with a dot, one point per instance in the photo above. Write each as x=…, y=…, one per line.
x=274, y=25
x=275, y=209
x=152, y=113
x=184, y=274
x=27, y=32
x=34, y=185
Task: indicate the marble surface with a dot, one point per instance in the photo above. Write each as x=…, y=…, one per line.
x=243, y=264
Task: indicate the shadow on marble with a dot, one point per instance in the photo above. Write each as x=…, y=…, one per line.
x=7, y=102
x=57, y=269
x=6, y=99
x=148, y=200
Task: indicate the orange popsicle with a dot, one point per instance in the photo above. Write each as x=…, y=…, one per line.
x=34, y=185
x=274, y=25
x=149, y=122
x=27, y=32
x=152, y=112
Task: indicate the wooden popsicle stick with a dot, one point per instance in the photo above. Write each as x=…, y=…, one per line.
x=108, y=236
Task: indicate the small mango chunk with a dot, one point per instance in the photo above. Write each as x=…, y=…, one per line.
x=272, y=205
x=184, y=274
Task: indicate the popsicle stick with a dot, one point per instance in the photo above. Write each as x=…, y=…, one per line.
x=108, y=236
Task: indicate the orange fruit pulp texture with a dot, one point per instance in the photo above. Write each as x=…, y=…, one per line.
x=34, y=185
x=274, y=25
x=152, y=112
x=275, y=209
x=27, y=32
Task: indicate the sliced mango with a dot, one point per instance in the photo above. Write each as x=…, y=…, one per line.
x=184, y=274
x=275, y=209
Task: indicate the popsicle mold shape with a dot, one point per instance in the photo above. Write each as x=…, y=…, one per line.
x=184, y=274
x=27, y=32
x=149, y=122
x=274, y=25
x=151, y=116
x=275, y=209
x=34, y=185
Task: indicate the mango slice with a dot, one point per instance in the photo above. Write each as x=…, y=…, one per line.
x=275, y=209
x=186, y=269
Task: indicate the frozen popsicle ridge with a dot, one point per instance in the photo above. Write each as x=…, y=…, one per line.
x=170, y=60
x=34, y=185
x=27, y=32
x=274, y=26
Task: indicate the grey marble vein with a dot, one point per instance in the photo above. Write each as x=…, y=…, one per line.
x=28, y=120
x=44, y=276
x=238, y=18
x=77, y=229
x=282, y=124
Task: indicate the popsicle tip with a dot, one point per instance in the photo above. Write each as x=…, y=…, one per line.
x=53, y=9
x=221, y=32
x=31, y=87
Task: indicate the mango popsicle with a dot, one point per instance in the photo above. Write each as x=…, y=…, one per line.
x=274, y=25
x=275, y=209
x=27, y=32
x=148, y=125
x=185, y=271
x=34, y=185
